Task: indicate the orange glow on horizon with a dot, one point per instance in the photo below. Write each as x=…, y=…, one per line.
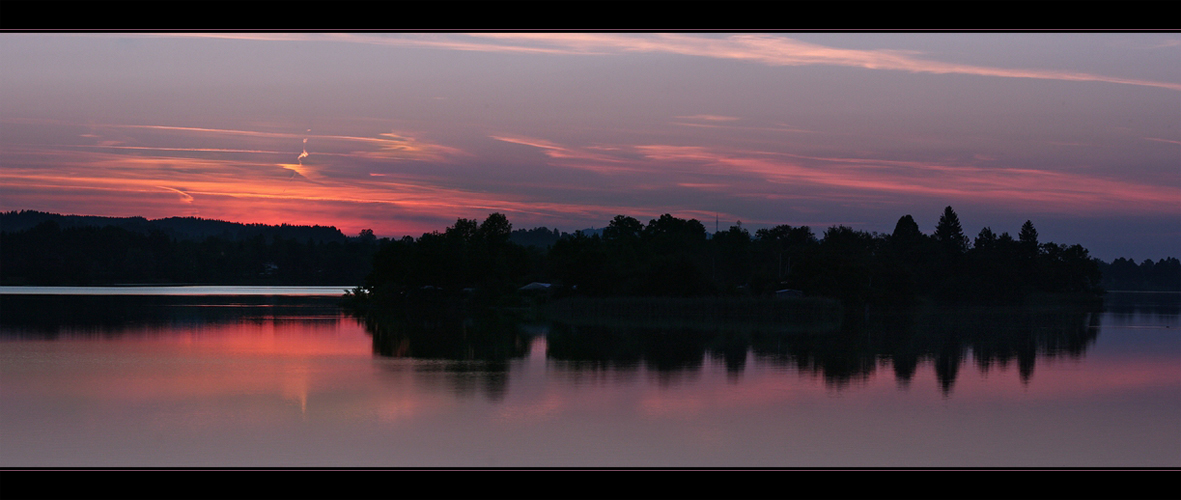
x=385, y=183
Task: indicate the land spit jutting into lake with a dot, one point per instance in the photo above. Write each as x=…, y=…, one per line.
x=668, y=257
x=671, y=270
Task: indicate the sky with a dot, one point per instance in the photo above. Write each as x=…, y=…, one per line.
x=405, y=132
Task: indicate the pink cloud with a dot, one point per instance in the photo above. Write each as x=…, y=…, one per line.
x=767, y=49
x=710, y=118
x=574, y=157
x=1052, y=191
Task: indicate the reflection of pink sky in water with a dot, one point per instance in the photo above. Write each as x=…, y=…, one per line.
x=209, y=361
x=320, y=378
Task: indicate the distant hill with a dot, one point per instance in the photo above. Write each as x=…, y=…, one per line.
x=181, y=228
x=599, y=231
x=538, y=237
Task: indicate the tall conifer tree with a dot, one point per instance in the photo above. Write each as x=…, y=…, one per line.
x=949, y=233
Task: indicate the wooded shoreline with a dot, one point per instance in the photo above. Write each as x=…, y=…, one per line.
x=668, y=257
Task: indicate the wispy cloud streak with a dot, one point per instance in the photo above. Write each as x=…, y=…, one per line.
x=1052, y=191
x=185, y=197
x=772, y=50
x=783, y=51
x=571, y=156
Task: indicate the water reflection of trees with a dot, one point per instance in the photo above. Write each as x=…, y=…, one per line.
x=943, y=339
x=995, y=337
x=475, y=350
x=1157, y=304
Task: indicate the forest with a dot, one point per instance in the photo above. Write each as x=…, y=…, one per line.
x=49, y=254
x=667, y=257
x=673, y=257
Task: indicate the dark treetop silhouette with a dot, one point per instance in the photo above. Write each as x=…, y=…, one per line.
x=668, y=256
x=672, y=257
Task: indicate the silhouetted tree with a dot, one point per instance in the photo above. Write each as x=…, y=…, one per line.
x=1028, y=238
x=841, y=266
x=733, y=253
x=777, y=251
x=623, y=228
x=578, y=262
x=985, y=241
x=903, y=267
x=495, y=229
x=949, y=234
x=906, y=231
x=464, y=231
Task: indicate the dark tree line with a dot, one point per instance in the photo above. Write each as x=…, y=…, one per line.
x=468, y=255
x=88, y=255
x=1124, y=274
x=668, y=256
x=674, y=257
x=181, y=228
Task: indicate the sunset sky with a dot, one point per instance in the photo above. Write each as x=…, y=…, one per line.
x=403, y=133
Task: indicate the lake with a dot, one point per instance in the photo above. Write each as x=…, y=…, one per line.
x=285, y=378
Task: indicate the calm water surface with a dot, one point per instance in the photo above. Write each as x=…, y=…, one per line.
x=290, y=380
